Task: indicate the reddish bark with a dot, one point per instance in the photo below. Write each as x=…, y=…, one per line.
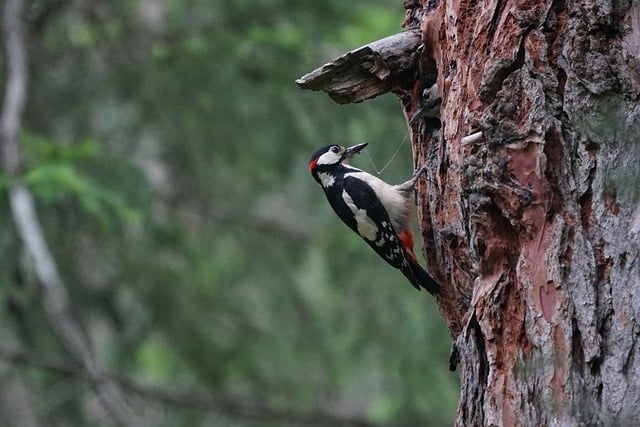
x=533, y=251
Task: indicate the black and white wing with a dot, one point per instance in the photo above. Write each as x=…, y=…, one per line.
x=367, y=216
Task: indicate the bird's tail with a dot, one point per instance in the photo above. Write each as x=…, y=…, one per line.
x=419, y=278
x=417, y=275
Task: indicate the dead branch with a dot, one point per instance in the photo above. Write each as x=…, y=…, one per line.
x=371, y=70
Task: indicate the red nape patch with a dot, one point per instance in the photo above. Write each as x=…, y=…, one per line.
x=406, y=240
x=312, y=165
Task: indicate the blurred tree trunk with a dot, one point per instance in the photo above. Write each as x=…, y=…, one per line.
x=533, y=229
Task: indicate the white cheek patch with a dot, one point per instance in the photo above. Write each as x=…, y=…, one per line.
x=366, y=227
x=326, y=179
x=329, y=158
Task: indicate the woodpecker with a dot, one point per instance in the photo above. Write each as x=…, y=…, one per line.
x=377, y=211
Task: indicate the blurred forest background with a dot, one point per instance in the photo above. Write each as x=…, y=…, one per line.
x=166, y=144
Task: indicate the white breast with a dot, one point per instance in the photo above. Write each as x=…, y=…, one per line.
x=396, y=203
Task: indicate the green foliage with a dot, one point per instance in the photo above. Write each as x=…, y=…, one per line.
x=167, y=146
x=53, y=173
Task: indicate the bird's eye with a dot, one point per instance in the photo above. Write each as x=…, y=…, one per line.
x=335, y=149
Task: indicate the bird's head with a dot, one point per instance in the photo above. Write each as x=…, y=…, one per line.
x=331, y=156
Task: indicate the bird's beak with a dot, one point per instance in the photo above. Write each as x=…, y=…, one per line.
x=351, y=151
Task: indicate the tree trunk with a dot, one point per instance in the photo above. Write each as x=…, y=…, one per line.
x=533, y=230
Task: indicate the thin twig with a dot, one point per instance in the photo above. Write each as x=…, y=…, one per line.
x=15, y=92
x=54, y=292
x=232, y=406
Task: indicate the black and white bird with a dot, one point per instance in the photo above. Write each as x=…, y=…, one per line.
x=377, y=211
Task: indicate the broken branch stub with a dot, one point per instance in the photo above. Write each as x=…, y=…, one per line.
x=371, y=70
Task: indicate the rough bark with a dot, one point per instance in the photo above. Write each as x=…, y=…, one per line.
x=533, y=231
x=532, y=222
